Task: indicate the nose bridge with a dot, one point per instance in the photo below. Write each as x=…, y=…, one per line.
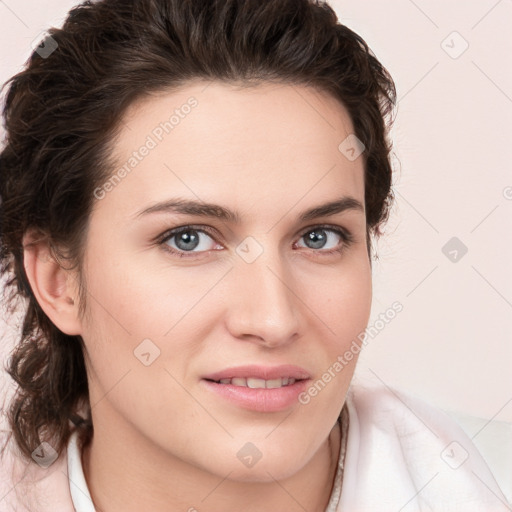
x=265, y=305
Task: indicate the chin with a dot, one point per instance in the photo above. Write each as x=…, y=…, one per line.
x=262, y=464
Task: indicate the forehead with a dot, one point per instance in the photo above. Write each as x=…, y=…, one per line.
x=270, y=143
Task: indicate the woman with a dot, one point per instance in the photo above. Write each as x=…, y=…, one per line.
x=189, y=195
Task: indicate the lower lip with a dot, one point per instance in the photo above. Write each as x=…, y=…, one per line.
x=260, y=399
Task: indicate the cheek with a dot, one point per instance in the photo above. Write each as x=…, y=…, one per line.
x=138, y=308
x=344, y=308
x=343, y=302
x=138, y=297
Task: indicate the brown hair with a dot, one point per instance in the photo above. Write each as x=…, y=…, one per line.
x=62, y=113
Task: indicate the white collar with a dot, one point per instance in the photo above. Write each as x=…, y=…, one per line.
x=80, y=495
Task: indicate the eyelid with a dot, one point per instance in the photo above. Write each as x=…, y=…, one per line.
x=333, y=227
x=169, y=233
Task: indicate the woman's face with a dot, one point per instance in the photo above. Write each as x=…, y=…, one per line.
x=255, y=297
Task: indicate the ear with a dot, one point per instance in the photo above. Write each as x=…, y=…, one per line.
x=54, y=287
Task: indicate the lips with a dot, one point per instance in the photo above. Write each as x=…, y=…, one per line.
x=259, y=388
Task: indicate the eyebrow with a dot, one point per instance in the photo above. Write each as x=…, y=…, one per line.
x=191, y=207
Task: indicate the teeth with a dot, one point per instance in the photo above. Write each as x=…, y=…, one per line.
x=276, y=383
x=254, y=383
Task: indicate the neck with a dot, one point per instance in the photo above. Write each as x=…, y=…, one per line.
x=127, y=474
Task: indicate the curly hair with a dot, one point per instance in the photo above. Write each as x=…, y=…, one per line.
x=62, y=114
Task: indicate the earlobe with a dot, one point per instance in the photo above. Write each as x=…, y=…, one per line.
x=53, y=286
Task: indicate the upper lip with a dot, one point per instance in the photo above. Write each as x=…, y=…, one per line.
x=260, y=372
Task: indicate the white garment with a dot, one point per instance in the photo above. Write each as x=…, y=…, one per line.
x=80, y=495
x=402, y=455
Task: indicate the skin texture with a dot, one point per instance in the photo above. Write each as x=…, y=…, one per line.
x=162, y=441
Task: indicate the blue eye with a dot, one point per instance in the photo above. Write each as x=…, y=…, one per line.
x=319, y=237
x=186, y=240
x=191, y=241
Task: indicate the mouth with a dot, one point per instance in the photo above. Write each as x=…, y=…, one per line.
x=259, y=388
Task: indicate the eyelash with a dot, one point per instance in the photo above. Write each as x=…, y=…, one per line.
x=345, y=235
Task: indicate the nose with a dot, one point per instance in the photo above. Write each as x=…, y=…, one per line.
x=264, y=307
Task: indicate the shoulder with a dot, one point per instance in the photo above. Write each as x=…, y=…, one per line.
x=403, y=454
